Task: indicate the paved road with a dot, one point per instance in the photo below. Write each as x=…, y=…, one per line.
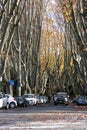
x=44, y=117
x=44, y=108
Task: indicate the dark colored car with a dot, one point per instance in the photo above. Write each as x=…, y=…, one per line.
x=22, y=101
x=61, y=98
x=82, y=100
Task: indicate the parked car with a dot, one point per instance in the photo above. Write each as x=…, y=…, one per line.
x=44, y=99
x=3, y=101
x=21, y=101
x=41, y=100
x=61, y=98
x=11, y=100
x=37, y=99
x=81, y=100
x=31, y=98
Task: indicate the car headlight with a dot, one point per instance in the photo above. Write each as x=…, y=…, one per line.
x=66, y=99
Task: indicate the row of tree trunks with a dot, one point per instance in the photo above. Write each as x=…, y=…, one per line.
x=78, y=42
x=20, y=34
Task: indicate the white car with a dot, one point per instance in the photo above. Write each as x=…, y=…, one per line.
x=11, y=100
x=3, y=101
x=31, y=98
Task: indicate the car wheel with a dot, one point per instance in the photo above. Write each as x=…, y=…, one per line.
x=12, y=105
x=36, y=103
x=7, y=106
x=66, y=103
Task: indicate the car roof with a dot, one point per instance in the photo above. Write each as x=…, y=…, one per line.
x=61, y=93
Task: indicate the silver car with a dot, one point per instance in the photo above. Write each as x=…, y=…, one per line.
x=31, y=98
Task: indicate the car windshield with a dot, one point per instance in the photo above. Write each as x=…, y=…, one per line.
x=62, y=94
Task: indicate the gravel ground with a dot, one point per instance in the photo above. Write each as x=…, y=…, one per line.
x=44, y=117
x=44, y=121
